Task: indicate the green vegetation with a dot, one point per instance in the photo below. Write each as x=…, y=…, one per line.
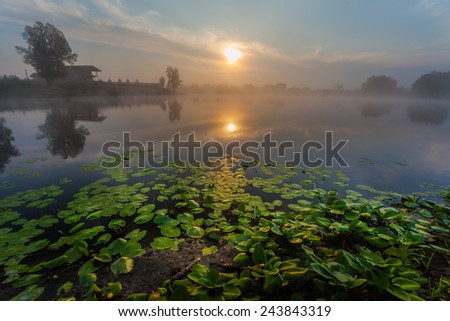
x=47, y=51
x=380, y=85
x=434, y=84
x=288, y=237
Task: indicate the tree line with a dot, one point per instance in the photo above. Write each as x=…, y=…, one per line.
x=434, y=85
x=48, y=52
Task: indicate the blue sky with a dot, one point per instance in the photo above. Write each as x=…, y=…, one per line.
x=318, y=44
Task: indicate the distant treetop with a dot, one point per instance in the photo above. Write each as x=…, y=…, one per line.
x=48, y=51
x=379, y=85
x=434, y=84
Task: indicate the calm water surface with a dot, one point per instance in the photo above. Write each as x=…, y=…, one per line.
x=392, y=144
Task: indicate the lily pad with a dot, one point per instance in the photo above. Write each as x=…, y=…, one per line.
x=63, y=289
x=103, y=239
x=103, y=257
x=26, y=280
x=163, y=242
x=170, y=231
x=86, y=280
x=56, y=262
x=146, y=209
x=36, y=246
x=111, y=290
x=116, y=246
x=209, y=250
x=143, y=218
x=132, y=249
x=31, y=293
x=136, y=235
x=195, y=232
x=117, y=224
x=47, y=221
x=122, y=265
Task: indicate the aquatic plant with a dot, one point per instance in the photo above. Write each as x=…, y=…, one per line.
x=295, y=233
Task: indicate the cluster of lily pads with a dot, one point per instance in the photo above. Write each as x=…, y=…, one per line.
x=298, y=234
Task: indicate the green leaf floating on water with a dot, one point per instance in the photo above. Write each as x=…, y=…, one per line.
x=36, y=246
x=116, y=246
x=209, y=250
x=165, y=220
x=103, y=257
x=163, y=243
x=143, y=218
x=31, y=293
x=111, y=290
x=56, y=262
x=122, y=265
x=63, y=289
x=47, y=221
x=86, y=280
x=8, y=215
x=185, y=218
x=89, y=266
x=137, y=297
x=241, y=258
x=103, y=239
x=26, y=280
x=88, y=233
x=117, y=224
x=259, y=254
x=170, y=231
x=128, y=210
x=76, y=228
x=132, y=249
x=195, y=232
x=136, y=235
x=146, y=209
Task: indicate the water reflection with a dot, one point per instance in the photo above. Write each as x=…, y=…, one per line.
x=428, y=114
x=7, y=149
x=64, y=137
x=375, y=109
x=300, y=120
x=86, y=111
x=174, y=107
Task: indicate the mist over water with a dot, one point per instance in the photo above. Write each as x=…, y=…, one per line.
x=393, y=144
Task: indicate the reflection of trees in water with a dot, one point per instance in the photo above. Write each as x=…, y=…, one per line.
x=86, y=111
x=7, y=149
x=434, y=115
x=64, y=138
x=374, y=109
x=174, y=107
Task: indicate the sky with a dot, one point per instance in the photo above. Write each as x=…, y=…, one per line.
x=315, y=44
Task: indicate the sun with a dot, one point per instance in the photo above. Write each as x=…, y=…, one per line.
x=231, y=127
x=232, y=54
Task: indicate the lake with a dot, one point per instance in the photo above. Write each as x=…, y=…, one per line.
x=298, y=198
x=393, y=144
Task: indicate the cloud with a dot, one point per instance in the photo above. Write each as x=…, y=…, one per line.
x=435, y=8
x=108, y=22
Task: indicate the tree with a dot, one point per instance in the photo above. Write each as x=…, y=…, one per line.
x=379, y=85
x=162, y=81
x=173, y=78
x=48, y=51
x=435, y=84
